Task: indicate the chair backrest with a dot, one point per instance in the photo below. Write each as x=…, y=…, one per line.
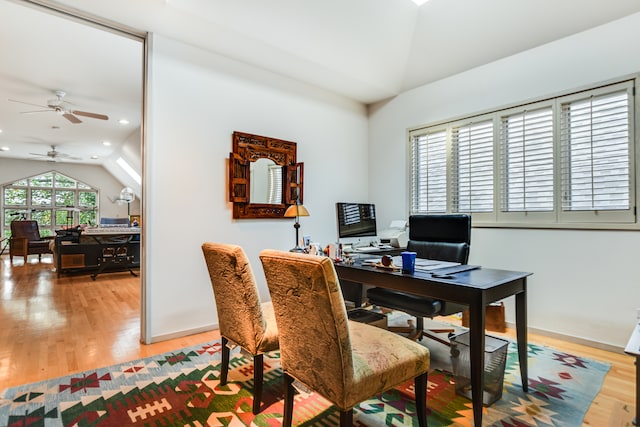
x=237, y=300
x=315, y=345
x=26, y=229
x=440, y=237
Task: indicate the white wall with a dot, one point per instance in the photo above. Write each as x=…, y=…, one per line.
x=196, y=100
x=95, y=176
x=585, y=283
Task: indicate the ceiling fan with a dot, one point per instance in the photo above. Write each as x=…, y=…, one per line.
x=62, y=107
x=54, y=155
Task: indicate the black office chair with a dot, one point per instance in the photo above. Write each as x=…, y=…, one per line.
x=438, y=237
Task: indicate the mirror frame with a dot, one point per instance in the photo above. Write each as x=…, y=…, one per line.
x=247, y=148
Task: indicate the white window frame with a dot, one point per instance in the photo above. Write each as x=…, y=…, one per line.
x=524, y=215
x=611, y=216
x=557, y=218
x=454, y=169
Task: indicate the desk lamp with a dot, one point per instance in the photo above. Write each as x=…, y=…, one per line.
x=296, y=211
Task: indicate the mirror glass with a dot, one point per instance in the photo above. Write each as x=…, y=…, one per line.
x=266, y=182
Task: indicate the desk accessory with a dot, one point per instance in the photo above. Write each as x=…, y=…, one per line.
x=296, y=211
x=408, y=262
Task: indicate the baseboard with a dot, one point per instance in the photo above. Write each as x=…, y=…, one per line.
x=184, y=333
x=573, y=339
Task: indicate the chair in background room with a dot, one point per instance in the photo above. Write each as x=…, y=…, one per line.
x=344, y=361
x=437, y=237
x=242, y=318
x=26, y=240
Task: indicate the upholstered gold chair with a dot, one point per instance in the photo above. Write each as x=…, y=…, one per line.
x=26, y=240
x=344, y=361
x=243, y=319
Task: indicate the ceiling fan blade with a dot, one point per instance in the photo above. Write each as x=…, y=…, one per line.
x=38, y=154
x=92, y=115
x=36, y=111
x=73, y=119
x=27, y=103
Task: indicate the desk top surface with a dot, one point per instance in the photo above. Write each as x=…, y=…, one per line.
x=478, y=278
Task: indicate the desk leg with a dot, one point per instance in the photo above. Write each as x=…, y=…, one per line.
x=521, y=335
x=476, y=348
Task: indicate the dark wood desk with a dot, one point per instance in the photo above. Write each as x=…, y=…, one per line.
x=87, y=252
x=476, y=289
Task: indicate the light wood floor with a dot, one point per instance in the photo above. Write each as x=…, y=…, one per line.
x=56, y=326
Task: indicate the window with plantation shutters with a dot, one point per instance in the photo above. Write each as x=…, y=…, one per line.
x=526, y=156
x=472, y=167
x=595, y=141
x=429, y=172
x=562, y=162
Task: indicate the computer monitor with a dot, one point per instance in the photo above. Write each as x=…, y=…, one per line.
x=356, y=223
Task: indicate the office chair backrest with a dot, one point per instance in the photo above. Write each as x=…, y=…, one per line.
x=440, y=237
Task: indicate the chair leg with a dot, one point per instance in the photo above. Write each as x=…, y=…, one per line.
x=258, y=369
x=420, y=386
x=346, y=418
x=224, y=372
x=289, y=391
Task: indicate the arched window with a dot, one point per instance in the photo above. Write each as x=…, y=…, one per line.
x=53, y=199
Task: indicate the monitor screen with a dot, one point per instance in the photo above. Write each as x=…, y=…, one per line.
x=356, y=220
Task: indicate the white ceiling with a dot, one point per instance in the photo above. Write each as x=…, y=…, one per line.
x=367, y=50
x=99, y=71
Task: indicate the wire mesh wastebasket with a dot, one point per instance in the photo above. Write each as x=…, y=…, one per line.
x=495, y=358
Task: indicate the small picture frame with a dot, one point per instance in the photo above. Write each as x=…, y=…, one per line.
x=135, y=221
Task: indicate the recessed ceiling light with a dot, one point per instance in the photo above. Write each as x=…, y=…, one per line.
x=0, y=130
x=420, y=2
x=94, y=157
x=106, y=143
x=4, y=148
x=123, y=121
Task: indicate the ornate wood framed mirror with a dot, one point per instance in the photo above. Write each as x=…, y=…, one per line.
x=264, y=176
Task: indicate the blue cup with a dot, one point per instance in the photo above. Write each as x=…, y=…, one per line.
x=408, y=262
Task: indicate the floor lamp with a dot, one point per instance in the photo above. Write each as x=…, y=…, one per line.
x=296, y=211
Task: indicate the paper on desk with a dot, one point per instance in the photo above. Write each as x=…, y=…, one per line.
x=426, y=264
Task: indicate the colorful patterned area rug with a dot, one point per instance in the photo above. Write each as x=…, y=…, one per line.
x=181, y=388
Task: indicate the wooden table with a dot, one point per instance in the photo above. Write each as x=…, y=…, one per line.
x=476, y=289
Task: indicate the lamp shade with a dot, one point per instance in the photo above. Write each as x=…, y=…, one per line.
x=126, y=195
x=296, y=210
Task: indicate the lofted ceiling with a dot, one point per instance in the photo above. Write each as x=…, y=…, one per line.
x=366, y=50
x=100, y=72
